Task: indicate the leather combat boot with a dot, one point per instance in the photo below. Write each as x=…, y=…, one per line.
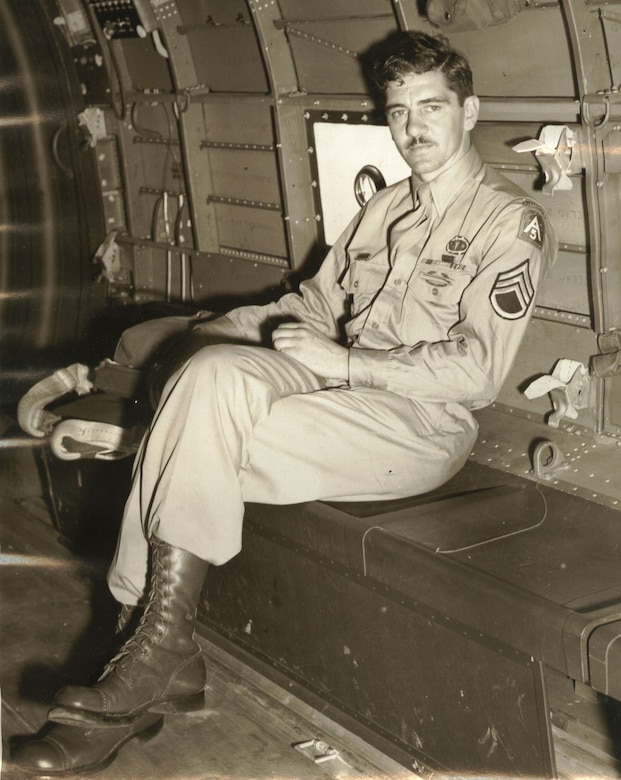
x=160, y=667
x=126, y=622
x=71, y=750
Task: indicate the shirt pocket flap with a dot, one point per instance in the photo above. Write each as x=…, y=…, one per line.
x=366, y=273
x=439, y=285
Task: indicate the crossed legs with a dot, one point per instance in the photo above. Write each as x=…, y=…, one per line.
x=240, y=423
x=234, y=424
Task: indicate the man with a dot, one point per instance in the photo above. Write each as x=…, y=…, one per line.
x=366, y=390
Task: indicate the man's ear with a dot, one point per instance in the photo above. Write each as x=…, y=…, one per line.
x=471, y=111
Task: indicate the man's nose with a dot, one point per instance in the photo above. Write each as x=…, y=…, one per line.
x=415, y=125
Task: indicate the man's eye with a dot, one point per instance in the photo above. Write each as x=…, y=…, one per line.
x=432, y=107
x=397, y=113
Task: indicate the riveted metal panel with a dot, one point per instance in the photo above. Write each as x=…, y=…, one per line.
x=612, y=419
x=610, y=272
x=566, y=287
x=151, y=156
x=224, y=45
x=611, y=23
x=228, y=59
x=214, y=13
x=331, y=9
x=532, y=52
x=239, y=120
x=251, y=175
x=326, y=53
x=544, y=343
x=222, y=282
x=160, y=162
x=251, y=229
x=494, y=141
x=147, y=68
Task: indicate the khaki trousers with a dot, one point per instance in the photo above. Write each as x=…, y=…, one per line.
x=241, y=423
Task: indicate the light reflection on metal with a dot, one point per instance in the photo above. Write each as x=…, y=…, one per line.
x=8, y=559
x=22, y=121
x=9, y=228
x=39, y=162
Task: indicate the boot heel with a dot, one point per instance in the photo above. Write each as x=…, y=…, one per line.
x=151, y=731
x=181, y=704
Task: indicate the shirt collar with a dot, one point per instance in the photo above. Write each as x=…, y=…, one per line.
x=445, y=186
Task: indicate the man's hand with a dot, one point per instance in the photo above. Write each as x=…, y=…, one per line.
x=314, y=350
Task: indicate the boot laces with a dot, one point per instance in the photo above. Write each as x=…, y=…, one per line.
x=124, y=618
x=146, y=633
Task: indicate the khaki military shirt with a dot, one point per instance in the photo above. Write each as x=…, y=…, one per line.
x=433, y=299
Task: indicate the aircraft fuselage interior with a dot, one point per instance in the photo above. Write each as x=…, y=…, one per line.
x=163, y=159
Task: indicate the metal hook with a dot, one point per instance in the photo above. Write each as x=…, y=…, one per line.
x=178, y=108
x=586, y=112
x=55, y=152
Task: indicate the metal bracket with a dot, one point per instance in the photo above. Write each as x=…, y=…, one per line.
x=93, y=121
x=602, y=100
x=568, y=386
x=548, y=460
x=318, y=751
x=108, y=254
x=295, y=31
x=181, y=103
x=557, y=150
x=608, y=362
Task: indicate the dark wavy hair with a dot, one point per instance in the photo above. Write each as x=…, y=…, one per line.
x=418, y=52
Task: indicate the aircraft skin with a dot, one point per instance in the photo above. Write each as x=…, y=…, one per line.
x=168, y=157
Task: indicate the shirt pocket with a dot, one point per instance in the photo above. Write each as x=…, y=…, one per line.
x=362, y=281
x=444, y=287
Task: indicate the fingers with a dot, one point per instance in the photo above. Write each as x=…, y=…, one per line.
x=288, y=334
x=291, y=327
x=283, y=339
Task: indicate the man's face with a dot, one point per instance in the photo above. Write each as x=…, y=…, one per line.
x=429, y=127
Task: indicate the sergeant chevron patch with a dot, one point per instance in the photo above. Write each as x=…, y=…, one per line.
x=512, y=292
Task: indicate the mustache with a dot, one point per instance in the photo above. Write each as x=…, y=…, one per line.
x=417, y=141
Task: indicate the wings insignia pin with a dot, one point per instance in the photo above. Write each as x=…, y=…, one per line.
x=512, y=292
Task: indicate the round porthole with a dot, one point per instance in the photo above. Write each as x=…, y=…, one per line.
x=368, y=181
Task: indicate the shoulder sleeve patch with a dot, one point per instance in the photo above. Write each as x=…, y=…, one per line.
x=532, y=226
x=512, y=292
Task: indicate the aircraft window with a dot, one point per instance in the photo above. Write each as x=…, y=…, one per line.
x=354, y=157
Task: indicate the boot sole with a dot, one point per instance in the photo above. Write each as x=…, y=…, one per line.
x=170, y=705
x=105, y=761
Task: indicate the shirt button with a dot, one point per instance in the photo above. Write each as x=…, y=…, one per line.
x=355, y=284
x=375, y=325
x=398, y=281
